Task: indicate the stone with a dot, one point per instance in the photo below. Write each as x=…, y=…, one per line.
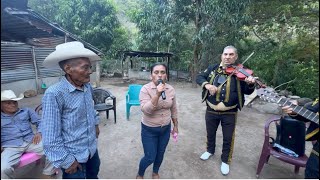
x=266, y=107
x=30, y=93
x=303, y=101
x=285, y=93
x=293, y=97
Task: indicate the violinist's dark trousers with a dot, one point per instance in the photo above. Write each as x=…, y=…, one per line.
x=312, y=167
x=228, y=123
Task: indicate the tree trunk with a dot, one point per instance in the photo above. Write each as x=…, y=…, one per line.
x=197, y=45
x=194, y=66
x=279, y=63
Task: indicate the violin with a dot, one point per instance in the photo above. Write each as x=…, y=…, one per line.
x=241, y=73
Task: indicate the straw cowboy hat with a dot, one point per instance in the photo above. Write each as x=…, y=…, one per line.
x=9, y=95
x=69, y=50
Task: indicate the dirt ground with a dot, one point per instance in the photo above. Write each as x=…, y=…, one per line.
x=120, y=147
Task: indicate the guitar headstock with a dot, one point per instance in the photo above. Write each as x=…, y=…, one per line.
x=268, y=94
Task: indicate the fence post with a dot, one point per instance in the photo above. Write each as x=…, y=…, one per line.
x=35, y=69
x=98, y=73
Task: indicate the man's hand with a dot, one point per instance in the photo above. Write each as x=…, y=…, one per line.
x=37, y=138
x=74, y=167
x=211, y=88
x=97, y=131
x=288, y=109
x=250, y=80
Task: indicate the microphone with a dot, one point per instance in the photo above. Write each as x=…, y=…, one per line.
x=163, y=94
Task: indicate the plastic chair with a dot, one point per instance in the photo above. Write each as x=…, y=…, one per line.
x=39, y=109
x=99, y=98
x=268, y=150
x=28, y=158
x=132, y=97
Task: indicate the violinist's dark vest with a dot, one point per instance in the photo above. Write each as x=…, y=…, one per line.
x=231, y=92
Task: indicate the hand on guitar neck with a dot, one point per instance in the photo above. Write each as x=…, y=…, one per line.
x=289, y=106
x=289, y=110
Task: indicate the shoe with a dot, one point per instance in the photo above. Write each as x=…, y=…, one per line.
x=155, y=176
x=205, y=156
x=225, y=168
x=139, y=177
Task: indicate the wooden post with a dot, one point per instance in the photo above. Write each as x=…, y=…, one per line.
x=35, y=69
x=168, y=60
x=98, y=71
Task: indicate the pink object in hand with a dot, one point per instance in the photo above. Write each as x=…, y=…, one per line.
x=175, y=136
x=28, y=158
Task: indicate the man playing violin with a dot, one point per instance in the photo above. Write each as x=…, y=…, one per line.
x=224, y=96
x=312, y=167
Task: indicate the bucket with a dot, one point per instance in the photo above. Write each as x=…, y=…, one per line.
x=43, y=87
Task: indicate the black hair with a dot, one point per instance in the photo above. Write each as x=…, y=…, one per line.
x=157, y=64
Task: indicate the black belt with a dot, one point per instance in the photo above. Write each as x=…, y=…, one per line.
x=221, y=112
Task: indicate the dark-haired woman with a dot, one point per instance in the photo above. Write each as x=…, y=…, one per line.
x=158, y=104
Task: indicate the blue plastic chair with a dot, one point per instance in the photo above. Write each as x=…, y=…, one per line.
x=132, y=97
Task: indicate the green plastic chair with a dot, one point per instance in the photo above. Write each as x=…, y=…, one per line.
x=132, y=97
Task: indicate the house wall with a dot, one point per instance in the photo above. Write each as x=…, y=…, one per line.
x=137, y=74
x=21, y=65
x=145, y=75
x=21, y=86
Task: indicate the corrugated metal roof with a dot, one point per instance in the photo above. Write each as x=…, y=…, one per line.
x=12, y=26
x=21, y=4
x=48, y=42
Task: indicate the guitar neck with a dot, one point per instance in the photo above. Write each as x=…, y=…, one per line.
x=314, y=117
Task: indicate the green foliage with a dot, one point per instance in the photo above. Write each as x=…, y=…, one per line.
x=94, y=21
x=221, y=25
x=284, y=34
x=159, y=28
x=293, y=62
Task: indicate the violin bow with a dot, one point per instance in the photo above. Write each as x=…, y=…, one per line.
x=248, y=58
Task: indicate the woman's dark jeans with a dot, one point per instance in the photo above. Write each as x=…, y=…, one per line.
x=154, y=141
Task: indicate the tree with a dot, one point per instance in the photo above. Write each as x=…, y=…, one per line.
x=94, y=21
x=284, y=35
x=217, y=23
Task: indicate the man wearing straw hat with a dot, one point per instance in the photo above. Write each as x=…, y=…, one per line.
x=70, y=123
x=17, y=136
